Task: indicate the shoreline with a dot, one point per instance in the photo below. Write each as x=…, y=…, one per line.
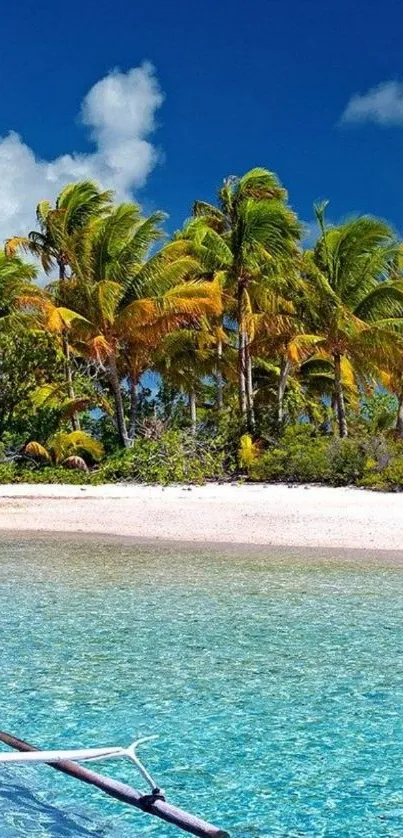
x=298, y=554
x=254, y=517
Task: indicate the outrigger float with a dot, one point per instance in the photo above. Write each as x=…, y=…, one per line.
x=68, y=761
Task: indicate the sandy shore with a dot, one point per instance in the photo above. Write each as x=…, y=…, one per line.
x=306, y=517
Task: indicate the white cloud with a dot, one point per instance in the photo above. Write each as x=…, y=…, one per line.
x=382, y=104
x=310, y=233
x=119, y=112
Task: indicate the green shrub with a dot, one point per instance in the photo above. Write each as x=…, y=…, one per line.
x=7, y=473
x=384, y=465
x=54, y=474
x=390, y=478
x=374, y=481
x=308, y=464
x=347, y=458
x=50, y=474
x=300, y=456
x=270, y=467
x=176, y=457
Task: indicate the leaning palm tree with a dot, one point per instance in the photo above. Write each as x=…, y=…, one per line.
x=356, y=298
x=60, y=238
x=60, y=227
x=108, y=326
x=251, y=237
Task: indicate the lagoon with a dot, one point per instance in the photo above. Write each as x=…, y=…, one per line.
x=275, y=684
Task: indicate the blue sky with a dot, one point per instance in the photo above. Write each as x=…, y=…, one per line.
x=243, y=84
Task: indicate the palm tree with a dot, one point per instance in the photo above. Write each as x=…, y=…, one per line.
x=66, y=449
x=281, y=339
x=252, y=236
x=355, y=298
x=122, y=304
x=60, y=235
x=185, y=357
x=397, y=388
x=316, y=379
x=15, y=279
x=196, y=241
x=60, y=227
x=53, y=396
x=120, y=246
x=392, y=379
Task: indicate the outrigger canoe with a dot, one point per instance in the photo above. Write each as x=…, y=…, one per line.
x=69, y=762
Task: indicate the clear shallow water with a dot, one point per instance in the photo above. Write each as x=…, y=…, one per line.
x=276, y=687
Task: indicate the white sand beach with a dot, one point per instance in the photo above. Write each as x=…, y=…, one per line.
x=302, y=516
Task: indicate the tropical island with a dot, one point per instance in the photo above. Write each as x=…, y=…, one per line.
x=252, y=607
x=228, y=350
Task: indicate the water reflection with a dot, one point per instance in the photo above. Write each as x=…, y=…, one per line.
x=24, y=813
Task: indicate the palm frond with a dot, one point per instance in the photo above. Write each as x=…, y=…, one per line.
x=37, y=451
x=260, y=185
x=63, y=445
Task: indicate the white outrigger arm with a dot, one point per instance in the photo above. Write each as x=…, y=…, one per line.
x=68, y=763
x=86, y=755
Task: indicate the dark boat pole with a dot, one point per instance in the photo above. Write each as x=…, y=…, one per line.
x=158, y=807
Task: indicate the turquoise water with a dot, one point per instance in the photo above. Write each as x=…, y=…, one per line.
x=276, y=688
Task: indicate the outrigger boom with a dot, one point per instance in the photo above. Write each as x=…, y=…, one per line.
x=153, y=803
x=87, y=755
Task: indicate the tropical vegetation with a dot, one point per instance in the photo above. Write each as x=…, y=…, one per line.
x=228, y=349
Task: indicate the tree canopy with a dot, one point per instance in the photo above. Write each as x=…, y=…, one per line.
x=232, y=317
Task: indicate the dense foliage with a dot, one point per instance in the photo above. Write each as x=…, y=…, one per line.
x=228, y=350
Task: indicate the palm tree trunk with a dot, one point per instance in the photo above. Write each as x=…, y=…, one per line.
x=75, y=422
x=399, y=420
x=117, y=394
x=193, y=412
x=282, y=384
x=249, y=386
x=219, y=376
x=243, y=406
x=339, y=397
x=133, y=407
